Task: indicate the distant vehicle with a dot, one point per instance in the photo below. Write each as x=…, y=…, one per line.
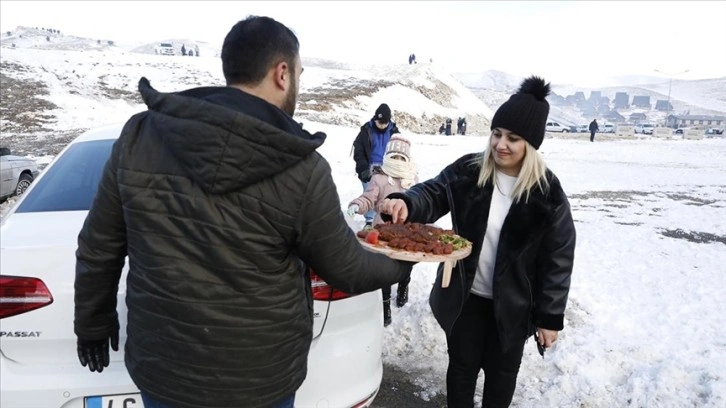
x=678, y=131
x=556, y=127
x=644, y=128
x=607, y=128
x=16, y=173
x=714, y=131
x=164, y=49
x=39, y=239
x=582, y=128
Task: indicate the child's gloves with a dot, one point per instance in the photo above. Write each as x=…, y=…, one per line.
x=353, y=210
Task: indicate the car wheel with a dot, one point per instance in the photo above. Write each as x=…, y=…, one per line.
x=23, y=183
x=565, y=131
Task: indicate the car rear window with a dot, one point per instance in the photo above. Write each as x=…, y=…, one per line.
x=70, y=183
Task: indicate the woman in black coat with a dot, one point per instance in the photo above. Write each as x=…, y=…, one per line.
x=516, y=281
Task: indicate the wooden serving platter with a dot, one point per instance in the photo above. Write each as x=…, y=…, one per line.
x=401, y=255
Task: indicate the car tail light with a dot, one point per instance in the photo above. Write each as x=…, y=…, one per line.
x=323, y=291
x=366, y=402
x=19, y=294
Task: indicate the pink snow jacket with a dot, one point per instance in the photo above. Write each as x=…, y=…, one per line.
x=378, y=189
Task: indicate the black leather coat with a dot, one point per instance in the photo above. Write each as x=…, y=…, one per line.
x=534, y=256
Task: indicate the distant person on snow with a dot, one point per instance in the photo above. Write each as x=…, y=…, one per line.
x=442, y=129
x=369, y=147
x=461, y=126
x=448, y=126
x=184, y=50
x=593, y=129
x=397, y=174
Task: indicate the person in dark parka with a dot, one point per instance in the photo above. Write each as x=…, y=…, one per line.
x=593, y=129
x=222, y=204
x=516, y=281
x=370, y=146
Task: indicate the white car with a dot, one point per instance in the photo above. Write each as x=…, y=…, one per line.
x=556, y=127
x=16, y=173
x=607, y=128
x=644, y=128
x=164, y=49
x=38, y=360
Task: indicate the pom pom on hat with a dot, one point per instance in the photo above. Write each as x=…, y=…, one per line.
x=526, y=112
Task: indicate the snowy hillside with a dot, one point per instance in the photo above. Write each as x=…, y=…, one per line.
x=491, y=80
x=47, y=38
x=706, y=93
x=705, y=96
x=205, y=49
x=70, y=84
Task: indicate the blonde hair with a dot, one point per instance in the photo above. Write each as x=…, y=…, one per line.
x=531, y=175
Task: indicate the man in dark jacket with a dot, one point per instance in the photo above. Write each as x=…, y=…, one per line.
x=370, y=145
x=593, y=129
x=222, y=204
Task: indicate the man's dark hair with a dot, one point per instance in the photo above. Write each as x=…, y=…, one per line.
x=253, y=46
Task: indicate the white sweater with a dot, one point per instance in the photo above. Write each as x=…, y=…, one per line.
x=501, y=201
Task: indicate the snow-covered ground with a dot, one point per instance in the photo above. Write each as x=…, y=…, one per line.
x=644, y=326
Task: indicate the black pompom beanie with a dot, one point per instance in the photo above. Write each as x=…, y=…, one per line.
x=525, y=113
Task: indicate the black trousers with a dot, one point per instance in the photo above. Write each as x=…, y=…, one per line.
x=592, y=136
x=387, y=289
x=474, y=345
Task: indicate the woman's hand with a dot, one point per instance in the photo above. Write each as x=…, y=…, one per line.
x=396, y=208
x=546, y=337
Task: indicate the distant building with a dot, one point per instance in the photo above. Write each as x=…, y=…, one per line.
x=555, y=99
x=637, y=118
x=679, y=121
x=579, y=96
x=589, y=111
x=614, y=116
x=641, y=101
x=622, y=100
x=595, y=96
x=663, y=105
x=604, y=101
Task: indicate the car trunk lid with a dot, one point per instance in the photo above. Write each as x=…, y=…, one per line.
x=43, y=247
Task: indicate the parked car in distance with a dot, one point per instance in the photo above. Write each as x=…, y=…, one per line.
x=607, y=128
x=714, y=131
x=16, y=173
x=164, y=49
x=556, y=127
x=582, y=128
x=38, y=360
x=678, y=131
x=644, y=128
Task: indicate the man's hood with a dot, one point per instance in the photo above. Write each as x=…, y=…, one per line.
x=226, y=139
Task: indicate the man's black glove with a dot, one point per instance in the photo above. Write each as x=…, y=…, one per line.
x=94, y=353
x=365, y=176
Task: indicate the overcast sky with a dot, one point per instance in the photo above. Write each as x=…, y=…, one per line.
x=567, y=42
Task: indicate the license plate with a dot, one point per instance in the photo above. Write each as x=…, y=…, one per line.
x=114, y=401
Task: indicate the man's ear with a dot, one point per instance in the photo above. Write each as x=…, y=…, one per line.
x=280, y=75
